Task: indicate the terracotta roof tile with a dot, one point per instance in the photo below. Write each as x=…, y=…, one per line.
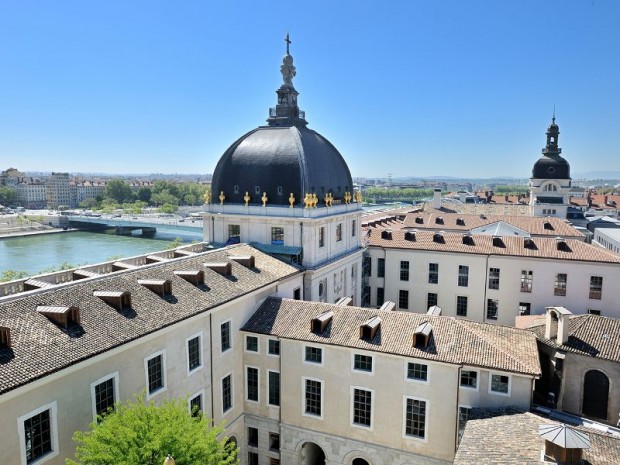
x=453, y=340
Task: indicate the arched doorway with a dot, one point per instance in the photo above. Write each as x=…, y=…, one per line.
x=359, y=461
x=312, y=454
x=595, y=394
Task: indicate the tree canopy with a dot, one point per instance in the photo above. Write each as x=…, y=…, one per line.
x=137, y=432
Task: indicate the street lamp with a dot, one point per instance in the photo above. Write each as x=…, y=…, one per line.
x=169, y=460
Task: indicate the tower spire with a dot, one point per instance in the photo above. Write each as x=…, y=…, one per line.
x=552, y=119
x=286, y=112
x=553, y=132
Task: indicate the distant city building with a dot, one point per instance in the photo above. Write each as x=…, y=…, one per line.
x=10, y=177
x=60, y=192
x=86, y=189
x=31, y=193
x=550, y=184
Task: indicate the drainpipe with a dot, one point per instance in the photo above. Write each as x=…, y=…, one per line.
x=458, y=419
x=211, y=369
x=486, y=284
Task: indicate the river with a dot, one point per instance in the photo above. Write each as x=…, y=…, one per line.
x=37, y=253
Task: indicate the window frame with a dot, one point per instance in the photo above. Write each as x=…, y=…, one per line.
x=268, y=348
x=426, y=418
x=404, y=270
x=525, y=308
x=463, y=277
x=114, y=376
x=466, y=386
x=225, y=410
x=429, y=299
x=369, y=427
x=380, y=301
x=380, y=267
x=277, y=234
x=305, y=355
x=596, y=288
x=457, y=310
x=269, y=388
x=433, y=273
x=496, y=304
x=21, y=431
x=164, y=387
x=230, y=230
x=247, y=384
x=417, y=380
x=245, y=346
x=499, y=393
x=359, y=370
x=494, y=275
x=353, y=228
x=559, y=287
x=403, y=293
x=199, y=336
x=339, y=232
x=304, y=394
x=527, y=281
x=321, y=236
x=200, y=394
x=230, y=336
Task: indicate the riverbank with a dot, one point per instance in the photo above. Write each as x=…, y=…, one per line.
x=30, y=231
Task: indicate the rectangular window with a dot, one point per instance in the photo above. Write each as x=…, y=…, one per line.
x=463, y=280
x=433, y=273
x=225, y=336
x=500, y=384
x=273, y=347
x=277, y=235
x=380, y=296
x=493, y=278
x=461, y=305
x=234, y=230
x=251, y=343
x=366, y=266
x=322, y=236
x=415, y=418
x=38, y=435
x=193, y=354
x=527, y=276
x=155, y=373
x=104, y=396
x=594, y=312
x=297, y=294
x=403, y=299
x=353, y=228
x=274, y=442
x=469, y=379
x=362, y=407
x=252, y=458
x=560, y=284
x=492, y=309
x=274, y=388
x=381, y=268
x=525, y=308
x=596, y=287
x=312, y=397
x=338, y=232
x=314, y=354
x=431, y=300
x=252, y=437
x=362, y=362
x=463, y=417
x=226, y=393
x=417, y=371
x=404, y=270
x=252, y=384
x=195, y=405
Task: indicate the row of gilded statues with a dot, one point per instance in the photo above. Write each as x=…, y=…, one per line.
x=310, y=200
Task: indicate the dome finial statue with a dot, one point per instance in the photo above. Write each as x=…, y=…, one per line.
x=287, y=69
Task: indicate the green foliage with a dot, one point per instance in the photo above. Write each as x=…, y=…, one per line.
x=168, y=208
x=391, y=194
x=88, y=203
x=144, y=194
x=511, y=189
x=12, y=275
x=143, y=433
x=62, y=267
x=177, y=242
x=119, y=190
x=7, y=195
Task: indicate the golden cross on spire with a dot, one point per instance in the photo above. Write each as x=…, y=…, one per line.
x=288, y=42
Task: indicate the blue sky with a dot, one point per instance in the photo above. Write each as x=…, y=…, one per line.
x=420, y=88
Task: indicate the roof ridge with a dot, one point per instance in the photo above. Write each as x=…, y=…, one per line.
x=484, y=338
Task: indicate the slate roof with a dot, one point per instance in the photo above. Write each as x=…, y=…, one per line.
x=40, y=347
x=591, y=335
x=511, y=437
x=483, y=244
x=453, y=340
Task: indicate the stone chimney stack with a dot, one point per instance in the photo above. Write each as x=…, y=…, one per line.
x=437, y=198
x=556, y=324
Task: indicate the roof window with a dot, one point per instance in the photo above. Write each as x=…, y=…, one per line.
x=561, y=244
x=548, y=226
x=419, y=220
x=422, y=335
x=117, y=266
x=195, y=277
x=64, y=316
x=245, y=260
x=5, y=337
x=35, y=284
x=158, y=286
x=438, y=237
x=439, y=220
x=460, y=222
x=410, y=236
x=117, y=299
x=498, y=242
x=388, y=306
x=369, y=329
x=82, y=274
x=318, y=324
x=468, y=239
x=223, y=268
x=155, y=259
x=344, y=302
x=434, y=311
x=528, y=243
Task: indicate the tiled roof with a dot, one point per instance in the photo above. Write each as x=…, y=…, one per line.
x=39, y=347
x=592, y=335
x=482, y=208
x=511, y=437
x=482, y=244
x=453, y=340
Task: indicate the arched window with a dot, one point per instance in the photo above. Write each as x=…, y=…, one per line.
x=550, y=187
x=312, y=454
x=595, y=394
x=359, y=461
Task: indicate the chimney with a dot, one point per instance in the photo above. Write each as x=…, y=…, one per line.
x=388, y=306
x=437, y=198
x=556, y=324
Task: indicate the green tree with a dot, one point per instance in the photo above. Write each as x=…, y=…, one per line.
x=176, y=243
x=12, y=275
x=88, y=203
x=144, y=194
x=119, y=190
x=7, y=195
x=168, y=208
x=143, y=433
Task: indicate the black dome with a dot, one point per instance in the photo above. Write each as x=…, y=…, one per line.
x=551, y=167
x=280, y=161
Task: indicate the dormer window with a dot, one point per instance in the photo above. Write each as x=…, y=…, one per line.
x=419, y=220
x=236, y=189
x=158, y=286
x=460, y=222
x=257, y=190
x=64, y=316
x=318, y=324
x=223, y=268
x=195, y=277
x=5, y=337
x=386, y=234
x=422, y=335
x=438, y=237
x=117, y=299
x=370, y=328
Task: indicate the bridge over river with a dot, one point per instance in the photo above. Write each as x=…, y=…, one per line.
x=147, y=225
